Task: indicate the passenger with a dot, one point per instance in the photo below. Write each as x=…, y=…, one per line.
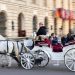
x=69, y=37
x=42, y=31
x=63, y=40
x=46, y=40
x=57, y=47
x=54, y=39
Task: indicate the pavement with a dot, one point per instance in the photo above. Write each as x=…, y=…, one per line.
x=50, y=69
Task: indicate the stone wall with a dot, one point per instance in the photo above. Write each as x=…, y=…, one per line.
x=13, y=8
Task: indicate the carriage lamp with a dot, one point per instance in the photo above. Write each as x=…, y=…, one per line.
x=12, y=25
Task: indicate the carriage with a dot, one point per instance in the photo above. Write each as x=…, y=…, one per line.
x=28, y=55
x=43, y=53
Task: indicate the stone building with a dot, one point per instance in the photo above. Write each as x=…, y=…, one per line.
x=64, y=16
x=20, y=18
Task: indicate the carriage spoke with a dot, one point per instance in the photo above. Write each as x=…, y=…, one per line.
x=31, y=58
x=74, y=54
x=69, y=62
x=23, y=59
x=30, y=65
x=70, y=56
x=71, y=66
x=25, y=64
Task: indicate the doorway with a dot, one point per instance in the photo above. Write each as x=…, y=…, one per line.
x=3, y=24
x=21, y=31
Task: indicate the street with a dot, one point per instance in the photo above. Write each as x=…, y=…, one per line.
x=48, y=70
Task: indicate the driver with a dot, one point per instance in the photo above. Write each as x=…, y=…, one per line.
x=41, y=35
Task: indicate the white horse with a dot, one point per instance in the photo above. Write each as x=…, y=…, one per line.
x=8, y=46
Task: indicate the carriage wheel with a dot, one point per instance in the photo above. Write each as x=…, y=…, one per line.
x=43, y=56
x=27, y=60
x=70, y=59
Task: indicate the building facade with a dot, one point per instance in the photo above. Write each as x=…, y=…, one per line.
x=63, y=17
x=22, y=17
x=19, y=18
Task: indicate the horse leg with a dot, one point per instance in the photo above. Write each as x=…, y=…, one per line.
x=9, y=60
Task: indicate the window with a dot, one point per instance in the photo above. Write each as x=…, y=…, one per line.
x=46, y=22
x=3, y=20
x=45, y=3
x=21, y=31
x=34, y=1
x=34, y=23
x=20, y=0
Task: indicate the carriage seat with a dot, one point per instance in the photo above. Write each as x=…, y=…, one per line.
x=57, y=47
x=70, y=43
x=28, y=43
x=42, y=44
x=45, y=42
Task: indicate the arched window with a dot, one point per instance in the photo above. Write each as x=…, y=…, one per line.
x=20, y=19
x=55, y=19
x=3, y=23
x=21, y=31
x=34, y=23
x=46, y=22
x=45, y=3
x=34, y=1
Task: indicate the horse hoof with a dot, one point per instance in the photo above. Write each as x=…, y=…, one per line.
x=2, y=66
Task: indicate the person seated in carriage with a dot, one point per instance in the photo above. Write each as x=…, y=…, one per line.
x=67, y=40
x=57, y=47
x=41, y=37
x=54, y=39
x=70, y=37
x=64, y=40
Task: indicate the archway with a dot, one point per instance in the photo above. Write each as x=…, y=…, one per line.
x=3, y=23
x=21, y=32
x=34, y=23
